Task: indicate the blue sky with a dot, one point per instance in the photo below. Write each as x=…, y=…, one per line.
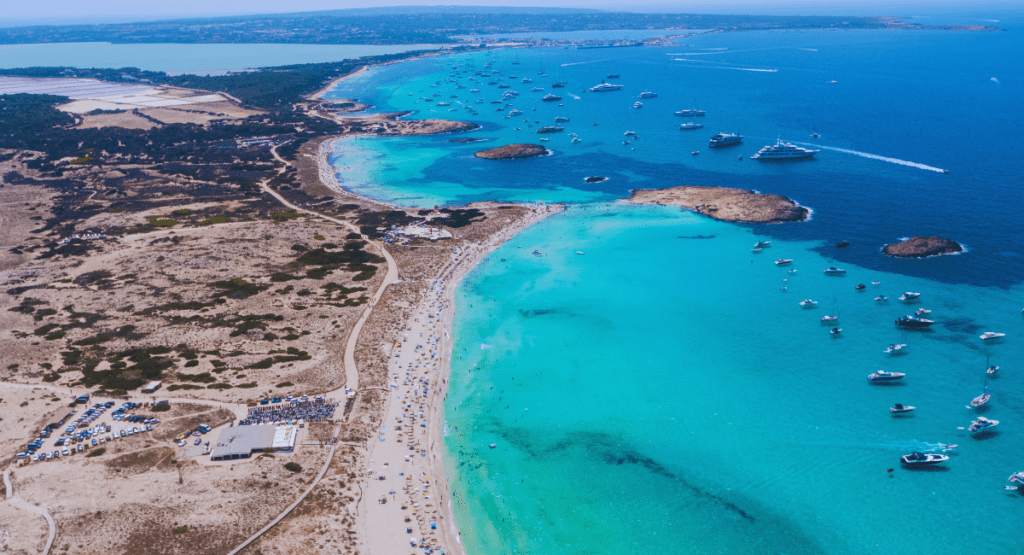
x=96, y=11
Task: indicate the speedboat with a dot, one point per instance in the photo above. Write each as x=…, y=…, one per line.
x=876, y=283
x=612, y=76
x=1017, y=478
x=537, y=89
x=835, y=331
x=991, y=370
x=922, y=311
x=725, y=139
x=923, y=459
x=690, y=113
x=628, y=133
x=690, y=125
x=914, y=322
x=991, y=335
x=550, y=129
x=783, y=261
x=860, y=286
x=558, y=85
x=784, y=151
x=901, y=409
x=827, y=318
x=981, y=425
x=648, y=94
x=833, y=271
x=881, y=298
x=808, y=303
x=895, y=349
x=763, y=244
x=882, y=376
x=551, y=97
x=756, y=249
x=561, y=119
x=638, y=104
x=909, y=296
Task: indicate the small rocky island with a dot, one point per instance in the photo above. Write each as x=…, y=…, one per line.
x=726, y=204
x=509, y=152
x=921, y=247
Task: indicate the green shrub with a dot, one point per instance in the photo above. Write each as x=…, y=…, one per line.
x=180, y=529
x=155, y=222
x=162, y=407
x=292, y=467
x=284, y=384
x=97, y=452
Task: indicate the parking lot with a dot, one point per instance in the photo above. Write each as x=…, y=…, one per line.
x=88, y=425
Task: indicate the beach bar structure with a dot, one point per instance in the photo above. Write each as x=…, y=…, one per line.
x=240, y=442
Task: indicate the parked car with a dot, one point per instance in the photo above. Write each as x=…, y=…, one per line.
x=182, y=443
x=123, y=433
x=82, y=447
x=197, y=441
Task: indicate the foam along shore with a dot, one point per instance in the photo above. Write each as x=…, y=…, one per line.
x=726, y=204
x=510, y=152
x=922, y=247
x=409, y=448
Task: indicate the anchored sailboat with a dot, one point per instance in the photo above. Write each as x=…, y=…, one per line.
x=985, y=397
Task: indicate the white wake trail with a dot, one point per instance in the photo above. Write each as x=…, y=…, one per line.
x=882, y=158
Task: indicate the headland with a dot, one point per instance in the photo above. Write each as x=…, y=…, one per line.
x=726, y=204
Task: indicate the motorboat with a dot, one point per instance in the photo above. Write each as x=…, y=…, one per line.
x=895, y=349
x=690, y=125
x=763, y=244
x=991, y=335
x=835, y=331
x=784, y=262
x=558, y=85
x=991, y=370
x=882, y=376
x=612, y=76
x=923, y=459
x=526, y=80
x=881, y=298
x=922, y=312
x=638, y=104
x=982, y=425
x=695, y=152
x=551, y=129
x=515, y=113
x=909, y=296
x=648, y=94
x=833, y=271
x=628, y=133
x=901, y=409
x=756, y=249
x=551, y=97
x=725, y=139
x=605, y=87
x=784, y=151
x=808, y=303
x=690, y=113
x=829, y=318
x=909, y=321
x=537, y=89
x=561, y=119
x=876, y=283
x=1017, y=478
x=980, y=400
x=860, y=286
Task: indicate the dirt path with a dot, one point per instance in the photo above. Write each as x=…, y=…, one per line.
x=21, y=504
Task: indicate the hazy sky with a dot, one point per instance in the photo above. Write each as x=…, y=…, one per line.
x=94, y=11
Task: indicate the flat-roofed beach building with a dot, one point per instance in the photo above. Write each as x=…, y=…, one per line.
x=240, y=442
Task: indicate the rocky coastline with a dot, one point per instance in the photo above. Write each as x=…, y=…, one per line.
x=725, y=203
x=922, y=247
x=511, y=152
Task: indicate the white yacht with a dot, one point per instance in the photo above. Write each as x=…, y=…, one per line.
x=783, y=151
x=605, y=87
x=648, y=94
x=883, y=376
x=551, y=98
x=991, y=335
x=895, y=348
x=725, y=139
x=833, y=271
x=909, y=296
x=982, y=424
x=923, y=459
x=808, y=303
x=690, y=113
x=690, y=125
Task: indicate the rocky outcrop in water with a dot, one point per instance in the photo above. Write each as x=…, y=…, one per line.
x=921, y=247
x=509, y=152
x=726, y=204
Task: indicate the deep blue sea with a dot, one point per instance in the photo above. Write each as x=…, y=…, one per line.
x=664, y=392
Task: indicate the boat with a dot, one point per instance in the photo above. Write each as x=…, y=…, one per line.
x=842, y=244
x=1017, y=478
x=923, y=459
x=763, y=244
x=558, y=85
x=579, y=252
x=909, y=296
x=526, y=80
x=648, y=94
x=577, y=140
x=504, y=86
x=561, y=119
x=833, y=271
x=690, y=113
x=515, y=113
x=784, y=151
x=835, y=313
x=783, y=261
x=991, y=370
x=474, y=90
x=605, y=87
x=612, y=76
x=876, y=283
x=638, y=104
x=444, y=103
x=690, y=125
x=551, y=129
x=756, y=249
x=882, y=376
x=991, y=335
x=860, y=286
x=895, y=349
x=551, y=98
x=881, y=298
x=980, y=400
x=835, y=331
x=909, y=321
x=628, y=133
x=982, y=425
x=537, y=89
x=808, y=303
x=922, y=312
x=694, y=152
x=725, y=139
x=901, y=409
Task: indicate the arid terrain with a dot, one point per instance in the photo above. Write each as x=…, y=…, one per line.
x=724, y=203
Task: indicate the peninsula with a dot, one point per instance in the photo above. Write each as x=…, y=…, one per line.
x=726, y=204
x=509, y=152
x=922, y=247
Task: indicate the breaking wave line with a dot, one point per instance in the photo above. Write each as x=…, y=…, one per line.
x=882, y=158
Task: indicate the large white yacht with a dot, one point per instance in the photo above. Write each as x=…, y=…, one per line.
x=725, y=139
x=783, y=151
x=690, y=112
x=605, y=87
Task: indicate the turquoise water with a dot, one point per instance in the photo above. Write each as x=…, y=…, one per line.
x=186, y=58
x=661, y=392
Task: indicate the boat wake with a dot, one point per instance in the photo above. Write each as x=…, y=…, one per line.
x=574, y=97
x=727, y=67
x=882, y=158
